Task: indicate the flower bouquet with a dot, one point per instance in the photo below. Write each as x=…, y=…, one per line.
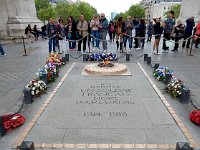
x=161, y=72
x=174, y=88
x=36, y=87
x=54, y=58
x=102, y=57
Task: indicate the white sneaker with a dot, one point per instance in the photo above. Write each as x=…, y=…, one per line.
x=139, y=48
x=4, y=55
x=158, y=53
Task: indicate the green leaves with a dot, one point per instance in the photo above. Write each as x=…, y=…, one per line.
x=63, y=10
x=134, y=10
x=137, y=11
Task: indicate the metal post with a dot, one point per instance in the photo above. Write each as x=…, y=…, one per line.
x=145, y=57
x=148, y=60
x=2, y=129
x=84, y=57
x=28, y=97
x=127, y=57
x=183, y=146
x=26, y=145
x=185, y=95
x=25, y=53
x=67, y=57
x=190, y=53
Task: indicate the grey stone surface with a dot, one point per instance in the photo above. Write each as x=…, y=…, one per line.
x=38, y=51
x=146, y=116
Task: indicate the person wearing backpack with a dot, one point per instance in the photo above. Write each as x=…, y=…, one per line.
x=119, y=30
x=128, y=32
x=168, y=28
x=111, y=30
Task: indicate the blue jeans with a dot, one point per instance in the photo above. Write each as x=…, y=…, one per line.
x=130, y=41
x=52, y=41
x=96, y=35
x=1, y=50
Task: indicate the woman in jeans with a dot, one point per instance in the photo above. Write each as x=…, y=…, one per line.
x=70, y=32
x=94, y=25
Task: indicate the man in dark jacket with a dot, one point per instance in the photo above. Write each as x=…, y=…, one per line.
x=52, y=31
x=188, y=31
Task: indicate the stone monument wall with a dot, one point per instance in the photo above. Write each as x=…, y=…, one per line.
x=190, y=8
x=15, y=15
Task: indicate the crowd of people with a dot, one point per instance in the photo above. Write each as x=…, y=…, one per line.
x=121, y=31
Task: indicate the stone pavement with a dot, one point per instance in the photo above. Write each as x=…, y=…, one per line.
x=75, y=118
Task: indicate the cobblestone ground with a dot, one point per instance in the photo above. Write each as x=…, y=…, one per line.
x=17, y=70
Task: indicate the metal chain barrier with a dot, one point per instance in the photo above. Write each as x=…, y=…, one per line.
x=75, y=57
x=137, y=57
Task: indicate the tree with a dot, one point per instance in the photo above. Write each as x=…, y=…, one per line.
x=176, y=9
x=123, y=15
x=41, y=4
x=137, y=11
x=86, y=9
x=46, y=13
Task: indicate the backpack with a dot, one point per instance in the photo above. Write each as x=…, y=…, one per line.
x=112, y=28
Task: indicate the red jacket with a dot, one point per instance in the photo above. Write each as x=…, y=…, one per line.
x=198, y=29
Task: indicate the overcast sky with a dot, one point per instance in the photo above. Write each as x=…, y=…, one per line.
x=107, y=6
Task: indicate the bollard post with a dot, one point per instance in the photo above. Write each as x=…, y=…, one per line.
x=25, y=53
x=45, y=78
x=183, y=146
x=2, y=129
x=26, y=145
x=145, y=57
x=168, y=78
x=148, y=60
x=185, y=95
x=84, y=57
x=128, y=57
x=28, y=97
x=156, y=66
x=67, y=57
x=64, y=59
x=190, y=53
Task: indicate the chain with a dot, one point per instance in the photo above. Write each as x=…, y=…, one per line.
x=137, y=57
x=121, y=56
x=76, y=57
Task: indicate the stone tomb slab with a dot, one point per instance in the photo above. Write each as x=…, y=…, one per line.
x=106, y=110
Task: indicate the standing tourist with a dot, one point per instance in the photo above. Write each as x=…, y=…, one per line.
x=70, y=32
x=140, y=36
x=52, y=31
x=179, y=33
x=168, y=27
x=188, y=31
x=157, y=29
x=128, y=32
x=103, y=30
x=83, y=31
x=111, y=31
x=61, y=34
x=197, y=33
x=94, y=25
x=149, y=31
x=119, y=36
x=2, y=51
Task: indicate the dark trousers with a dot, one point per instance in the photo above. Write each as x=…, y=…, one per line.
x=136, y=42
x=1, y=50
x=112, y=35
x=52, y=41
x=166, y=37
x=186, y=36
x=84, y=41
